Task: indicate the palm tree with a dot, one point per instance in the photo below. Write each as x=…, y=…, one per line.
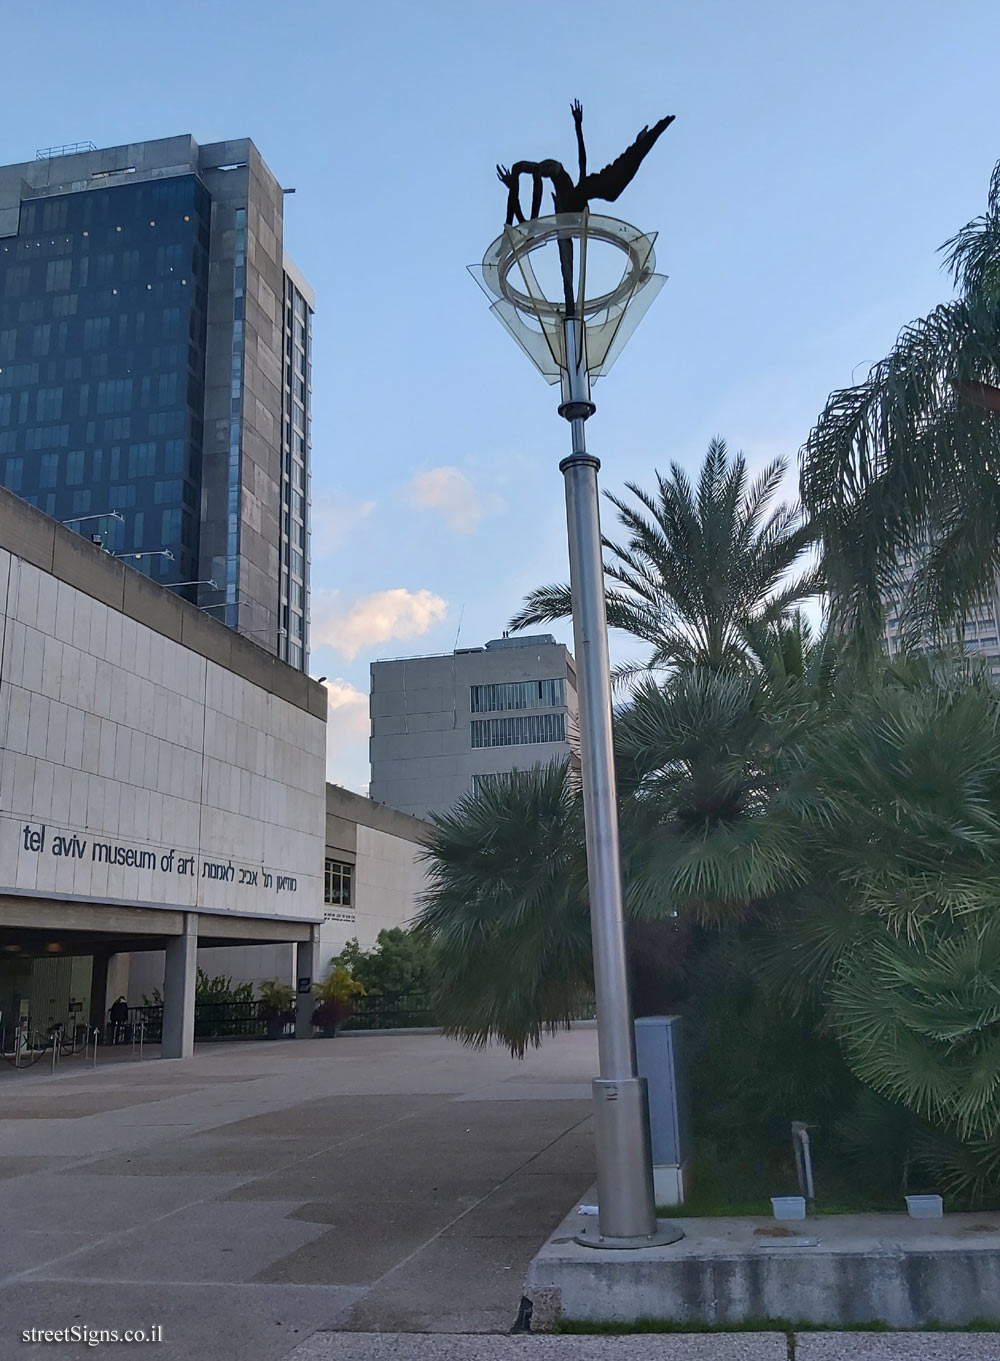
x=906, y=465
x=705, y=568
x=897, y=929
x=507, y=904
x=506, y=909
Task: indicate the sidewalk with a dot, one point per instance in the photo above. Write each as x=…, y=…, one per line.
x=258, y=1192
x=325, y=1201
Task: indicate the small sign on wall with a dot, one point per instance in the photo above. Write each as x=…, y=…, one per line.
x=305, y=984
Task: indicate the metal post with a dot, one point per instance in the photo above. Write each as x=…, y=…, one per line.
x=626, y=1206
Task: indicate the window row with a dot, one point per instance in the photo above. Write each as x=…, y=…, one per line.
x=541, y=694
x=511, y=732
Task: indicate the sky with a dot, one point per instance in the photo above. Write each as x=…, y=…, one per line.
x=821, y=154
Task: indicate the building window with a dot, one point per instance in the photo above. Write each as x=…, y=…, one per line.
x=114, y=395
x=542, y=694
x=96, y=333
x=170, y=528
x=338, y=883
x=142, y=463
x=75, y=468
x=57, y=274
x=48, y=470
x=48, y=404
x=167, y=493
x=493, y=781
x=511, y=732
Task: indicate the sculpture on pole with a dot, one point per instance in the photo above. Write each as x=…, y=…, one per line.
x=568, y=197
x=573, y=335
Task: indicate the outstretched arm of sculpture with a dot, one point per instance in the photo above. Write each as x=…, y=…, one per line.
x=508, y=178
x=576, y=108
x=609, y=182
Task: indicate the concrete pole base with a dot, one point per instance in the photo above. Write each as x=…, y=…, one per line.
x=666, y=1232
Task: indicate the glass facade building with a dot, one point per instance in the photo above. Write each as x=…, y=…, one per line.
x=103, y=301
x=155, y=362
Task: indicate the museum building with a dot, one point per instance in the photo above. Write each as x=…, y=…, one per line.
x=162, y=784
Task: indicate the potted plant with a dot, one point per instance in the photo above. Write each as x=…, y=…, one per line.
x=335, y=996
x=278, y=1006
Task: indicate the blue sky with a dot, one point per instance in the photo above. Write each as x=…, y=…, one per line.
x=820, y=155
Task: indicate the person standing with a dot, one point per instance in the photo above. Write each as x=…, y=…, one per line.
x=118, y=1020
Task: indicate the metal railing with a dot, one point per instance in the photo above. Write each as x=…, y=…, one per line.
x=406, y=1012
x=212, y=1021
x=22, y=1046
x=46, y=153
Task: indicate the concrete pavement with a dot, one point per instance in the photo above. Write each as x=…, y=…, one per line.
x=654, y=1347
x=258, y=1192
x=336, y=1200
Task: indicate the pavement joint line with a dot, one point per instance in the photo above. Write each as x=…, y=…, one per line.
x=154, y=1281
x=217, y=1130
x=33, y=1272
x=36, y=1272
x=458, y=1218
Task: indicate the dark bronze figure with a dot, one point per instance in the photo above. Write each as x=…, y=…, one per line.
x=567, y=196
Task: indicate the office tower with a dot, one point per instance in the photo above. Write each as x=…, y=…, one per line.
x=155, y=350
x=444, y=725
x=978, y=633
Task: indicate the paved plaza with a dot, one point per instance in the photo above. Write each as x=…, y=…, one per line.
x=338, y=1200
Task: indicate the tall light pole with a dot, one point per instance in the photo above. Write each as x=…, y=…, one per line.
x=536, y=274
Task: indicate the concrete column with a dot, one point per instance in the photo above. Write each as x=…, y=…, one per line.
x=180, y=977
x=99, y=990
x=308, y=964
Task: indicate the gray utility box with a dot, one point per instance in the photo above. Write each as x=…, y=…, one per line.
x=659, y=1058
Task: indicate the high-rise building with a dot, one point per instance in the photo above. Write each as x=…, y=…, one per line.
x=155, y=353
x=979, y=632
x=444, y=725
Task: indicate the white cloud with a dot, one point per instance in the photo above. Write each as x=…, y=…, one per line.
x=375, y=618
x=333, y=517
x=347, y=728
x=448, y=490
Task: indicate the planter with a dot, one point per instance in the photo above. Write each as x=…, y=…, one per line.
x=329, y=1017
x=275, y=1027
x=788, y=1207
x=924, y=1207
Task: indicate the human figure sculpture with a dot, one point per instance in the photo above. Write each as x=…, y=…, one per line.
x=567, y=196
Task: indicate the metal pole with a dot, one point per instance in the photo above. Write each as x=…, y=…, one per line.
x=624, y=1164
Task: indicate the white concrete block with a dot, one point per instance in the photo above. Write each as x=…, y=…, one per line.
x=46, y=591
x=55, y=739
x=18, y=708
x=66, y=598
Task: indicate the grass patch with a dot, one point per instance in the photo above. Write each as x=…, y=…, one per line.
x=746, y=1190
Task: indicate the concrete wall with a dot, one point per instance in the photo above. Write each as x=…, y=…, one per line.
x=421, y=746
x=384, y=847
x=244, y=964
x=388, y=879
x=134, y=768
x=251, y=187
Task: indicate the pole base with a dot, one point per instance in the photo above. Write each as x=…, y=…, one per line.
x=666, y=1232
